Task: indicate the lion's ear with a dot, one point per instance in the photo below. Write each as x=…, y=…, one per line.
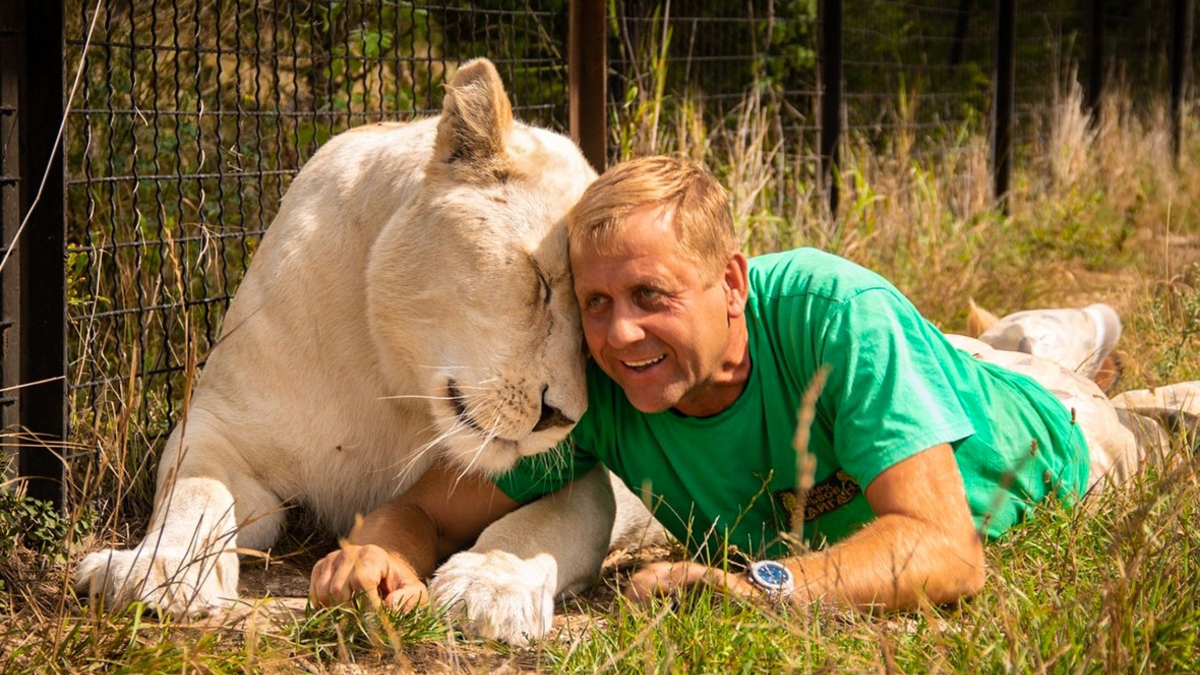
x=476, y=117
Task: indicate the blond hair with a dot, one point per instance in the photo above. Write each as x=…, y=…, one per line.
x=702, y=219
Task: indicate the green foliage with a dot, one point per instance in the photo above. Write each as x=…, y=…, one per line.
x=37, y=525
x=1175, y=366
x=1175, y=315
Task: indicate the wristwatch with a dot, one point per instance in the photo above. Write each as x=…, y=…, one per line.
x=772, y=578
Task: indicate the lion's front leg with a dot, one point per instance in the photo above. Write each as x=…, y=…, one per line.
x=504, y=587
x=187, y=564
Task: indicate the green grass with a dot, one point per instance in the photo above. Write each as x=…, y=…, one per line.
x=1114, y=587
x=1111, y=588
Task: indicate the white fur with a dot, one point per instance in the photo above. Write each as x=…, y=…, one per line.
x=402, y=260
x=504, y=587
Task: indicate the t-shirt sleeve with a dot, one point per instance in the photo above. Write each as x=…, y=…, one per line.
x=888, y=391
x=542, y=474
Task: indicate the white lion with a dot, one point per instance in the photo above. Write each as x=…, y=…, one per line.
x=411, y=300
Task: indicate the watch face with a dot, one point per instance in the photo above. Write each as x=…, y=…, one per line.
x=770, y=574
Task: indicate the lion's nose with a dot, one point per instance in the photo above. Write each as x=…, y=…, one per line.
x=551, y=417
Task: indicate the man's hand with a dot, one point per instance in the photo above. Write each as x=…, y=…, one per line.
x=400, y=543
x=667, y=578
x=382, y=577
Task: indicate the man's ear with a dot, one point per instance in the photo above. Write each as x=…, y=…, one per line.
x=737, y=284
x=476, y=118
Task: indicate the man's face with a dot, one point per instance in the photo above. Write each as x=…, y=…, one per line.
x=655, y=326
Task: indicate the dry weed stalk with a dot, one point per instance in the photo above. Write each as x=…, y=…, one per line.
x=806, y=462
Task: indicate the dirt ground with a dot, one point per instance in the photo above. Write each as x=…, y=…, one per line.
x=272, y=588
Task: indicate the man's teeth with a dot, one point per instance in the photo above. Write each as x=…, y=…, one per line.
x=647, y=362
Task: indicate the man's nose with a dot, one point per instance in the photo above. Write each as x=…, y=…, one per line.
x=624, y=329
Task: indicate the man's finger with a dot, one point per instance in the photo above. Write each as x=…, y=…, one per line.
x=338, y=575
x=653, y=580
x=663, y=578
x=366, y=578
x=734, y=584
x=723, y=581
x=318, y=587
x=408, y=597
x=345, y=579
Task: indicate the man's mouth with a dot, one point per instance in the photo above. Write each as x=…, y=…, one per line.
x=643, y=364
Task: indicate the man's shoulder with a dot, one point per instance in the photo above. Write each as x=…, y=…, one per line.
x=809, y=272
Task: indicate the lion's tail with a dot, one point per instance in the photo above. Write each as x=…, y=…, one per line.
x=978, y=319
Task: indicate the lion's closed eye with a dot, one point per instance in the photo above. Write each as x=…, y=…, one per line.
x=543, y=290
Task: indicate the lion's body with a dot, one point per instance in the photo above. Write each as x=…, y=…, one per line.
x=295, y=381
x=410, y=301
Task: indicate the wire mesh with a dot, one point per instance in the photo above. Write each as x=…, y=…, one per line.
x=195, y=115
x=713, y=55
x=732, y=78
x=193, y=119
x=917, y=70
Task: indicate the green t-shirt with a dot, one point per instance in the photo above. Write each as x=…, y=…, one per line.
x=895, y=387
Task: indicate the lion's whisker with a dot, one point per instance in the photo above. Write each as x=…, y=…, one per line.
x=418, y=453
x=491, y=435
x=437, y=438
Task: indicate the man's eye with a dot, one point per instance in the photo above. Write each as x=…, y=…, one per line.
x=648, y=294
x=593, y=302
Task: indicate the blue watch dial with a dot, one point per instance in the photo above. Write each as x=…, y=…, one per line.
x=770, y=574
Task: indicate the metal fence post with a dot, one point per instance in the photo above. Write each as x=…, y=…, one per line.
x=1181, y=50
x=830, y=58
x=10, y=216
x=34, y=295
x=1004, y=76
x=961, y=23
x=587, y=40
x=1095, y=58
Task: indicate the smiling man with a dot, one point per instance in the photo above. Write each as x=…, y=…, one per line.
x=700, y=360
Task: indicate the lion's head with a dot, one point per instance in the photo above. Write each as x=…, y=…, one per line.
x=471, y=286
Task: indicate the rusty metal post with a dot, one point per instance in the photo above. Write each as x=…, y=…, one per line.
x=1184, y=13
x=587, y=76
x=1095, y=60
x=34, y=277
x=829, y=56
x=10, y=217
x=1003, y=81
x=962, y=21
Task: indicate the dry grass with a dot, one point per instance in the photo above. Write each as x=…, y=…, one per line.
x=1094, y=214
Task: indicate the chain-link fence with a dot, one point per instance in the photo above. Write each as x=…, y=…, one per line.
x=192, y=117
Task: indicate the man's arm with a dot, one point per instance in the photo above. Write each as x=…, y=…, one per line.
x=400, y=544
x=923, y=544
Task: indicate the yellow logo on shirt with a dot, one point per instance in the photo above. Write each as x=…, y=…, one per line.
x=836, y=491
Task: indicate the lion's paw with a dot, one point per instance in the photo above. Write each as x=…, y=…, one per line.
x=498, y=595
x=169, y=580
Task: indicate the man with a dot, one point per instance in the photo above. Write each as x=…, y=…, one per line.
x=700, y=360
